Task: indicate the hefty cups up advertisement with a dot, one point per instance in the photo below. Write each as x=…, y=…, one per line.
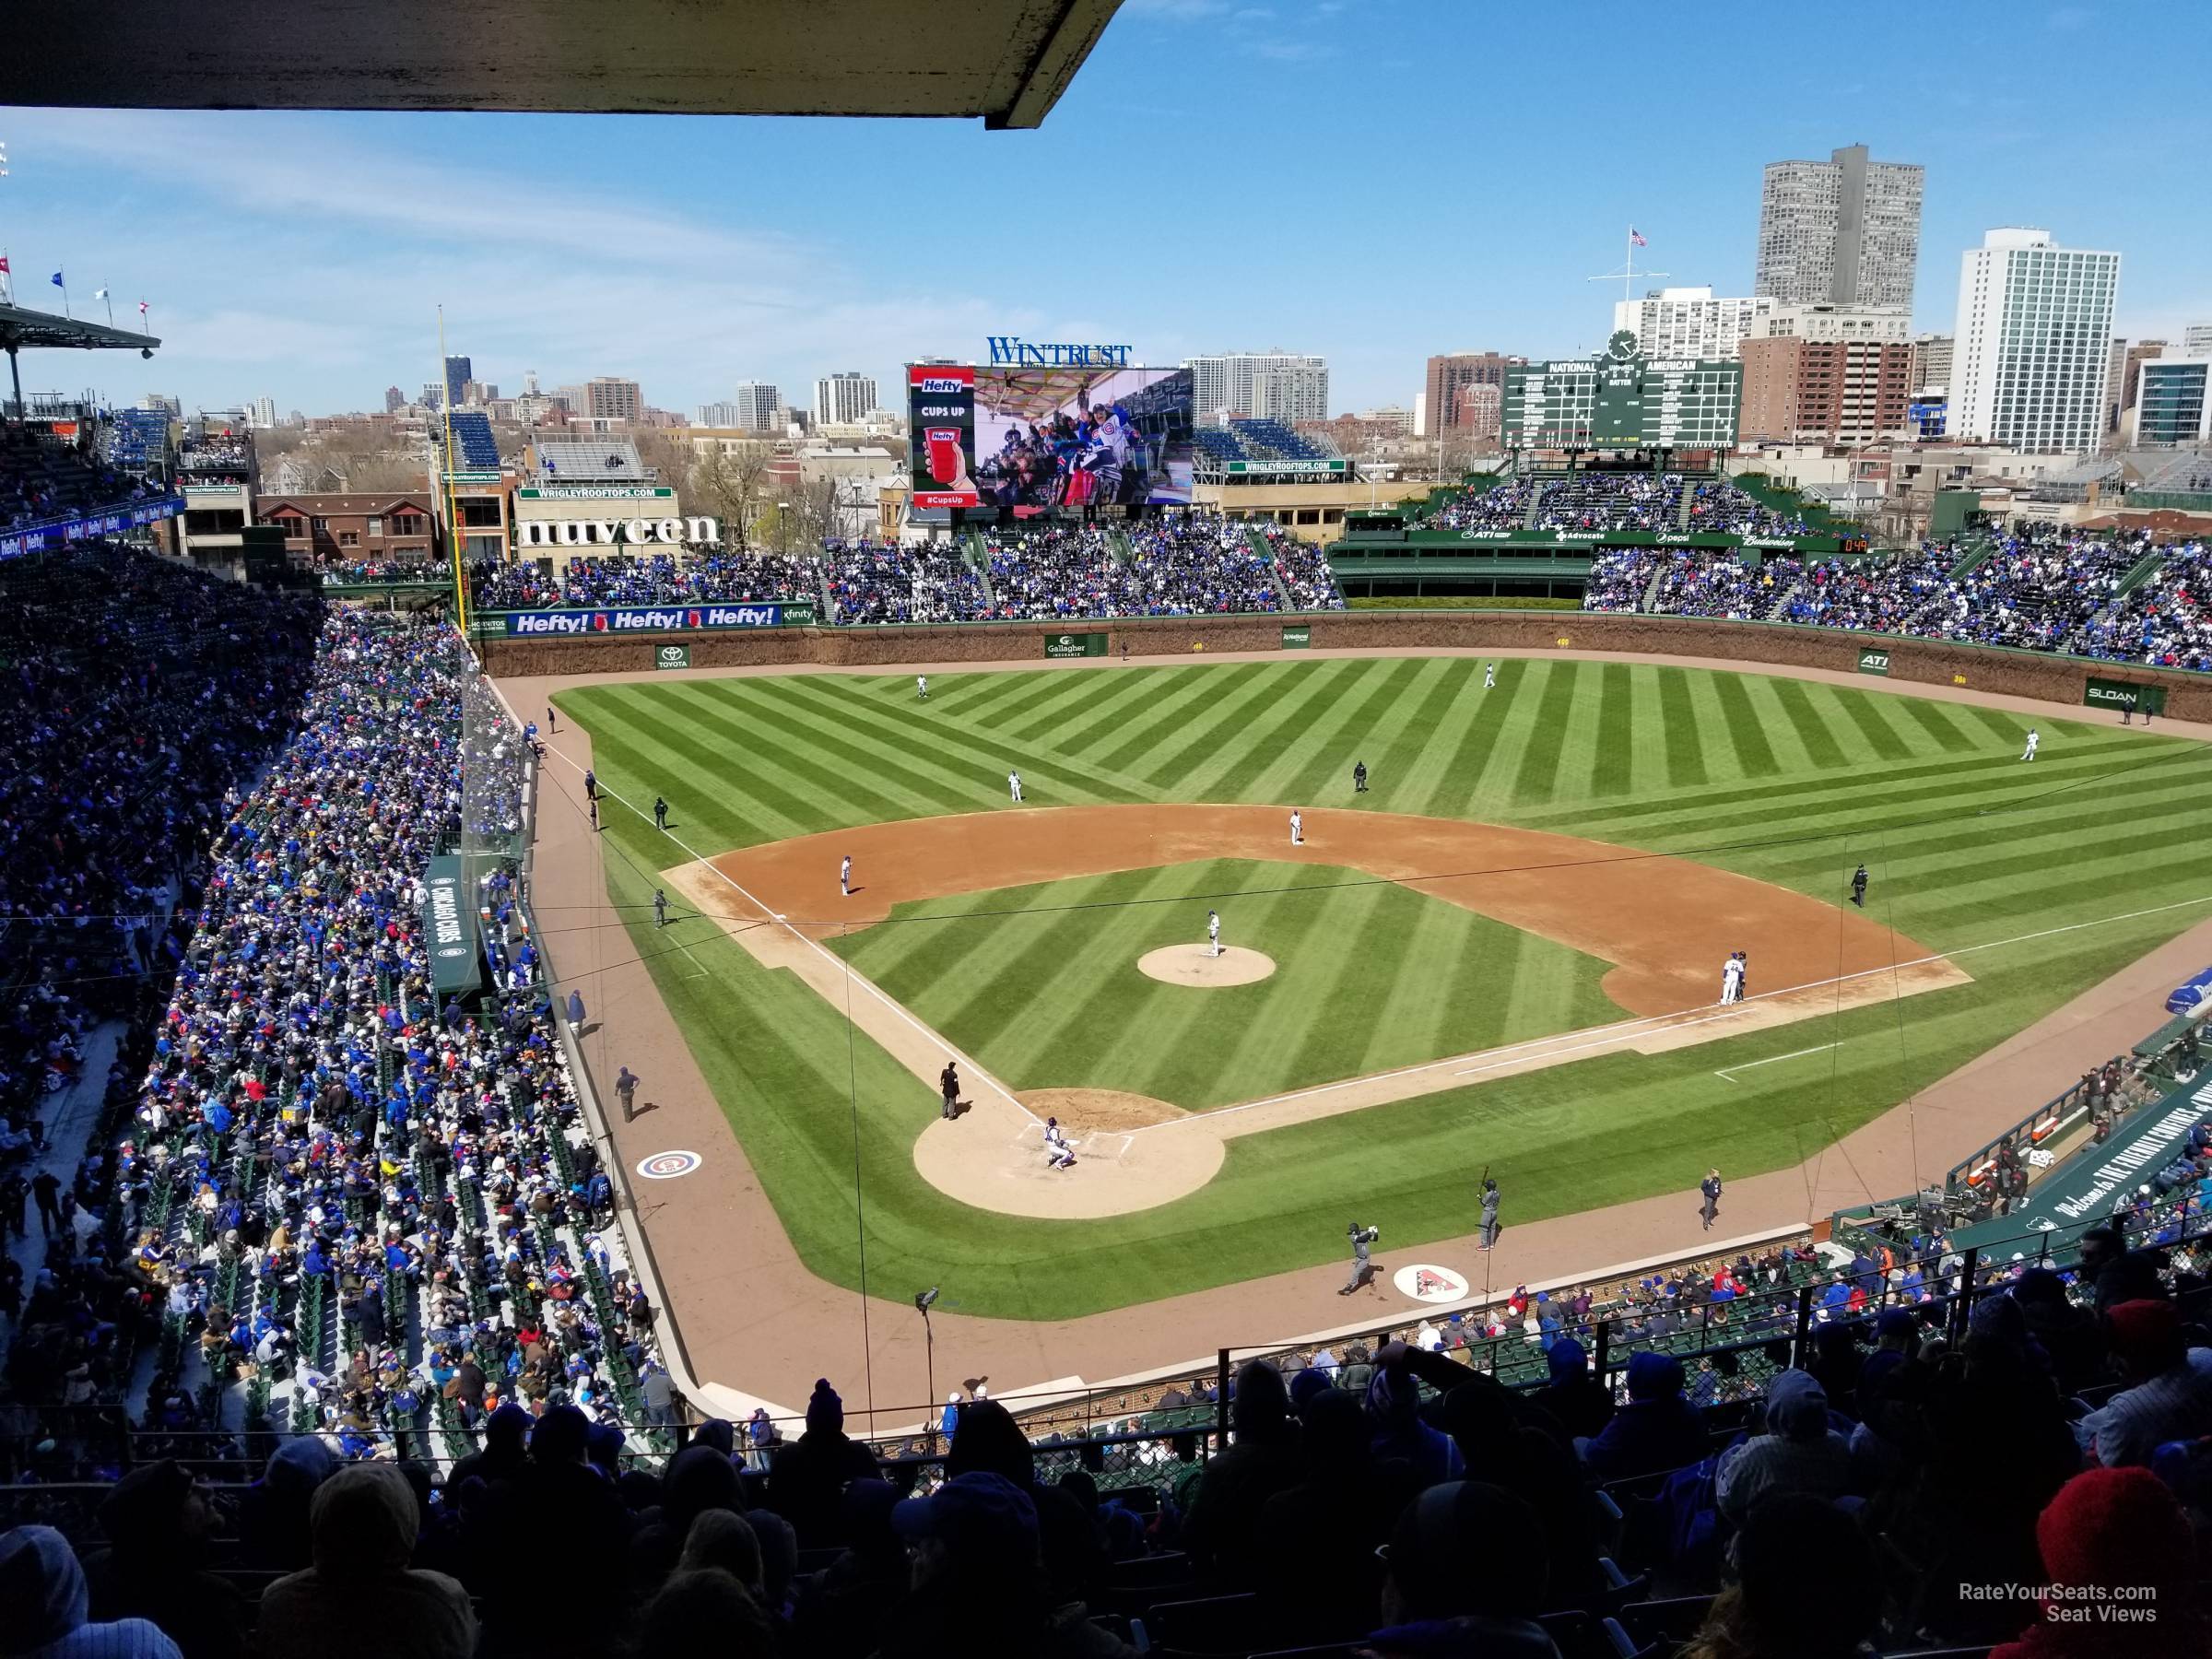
x=940, y=410
x=652, y=619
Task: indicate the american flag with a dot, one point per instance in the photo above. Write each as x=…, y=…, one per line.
x=1637, y=239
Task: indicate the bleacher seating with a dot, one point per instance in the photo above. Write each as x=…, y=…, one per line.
x=1268, y=440
x=44, y=479
x=474, y=448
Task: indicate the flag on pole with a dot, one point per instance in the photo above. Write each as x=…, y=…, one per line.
x=3, y=265
x=57, y=281
x=99, y=293
x=142, y=308
x=1637, y=239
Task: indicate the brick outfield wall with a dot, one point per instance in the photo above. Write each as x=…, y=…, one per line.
x=2019, y=674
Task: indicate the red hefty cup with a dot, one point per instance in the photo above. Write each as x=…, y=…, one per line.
x=943, y=452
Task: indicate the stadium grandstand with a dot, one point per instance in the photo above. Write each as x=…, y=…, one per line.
x=474, y=449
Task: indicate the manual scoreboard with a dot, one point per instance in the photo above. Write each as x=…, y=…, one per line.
x=1621, y=400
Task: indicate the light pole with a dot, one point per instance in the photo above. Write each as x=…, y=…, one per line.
x=929, y=1361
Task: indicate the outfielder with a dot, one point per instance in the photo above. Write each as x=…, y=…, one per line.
x=922, y=687
x=1061, y=1156
x=1213, y=930
x=1013, y=786
x=2034, y=739
x=1490, y=676
x=844, y=876
x=1297, y=829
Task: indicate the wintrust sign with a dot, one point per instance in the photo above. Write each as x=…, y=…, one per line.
x=1055, y=354
x=585, y=532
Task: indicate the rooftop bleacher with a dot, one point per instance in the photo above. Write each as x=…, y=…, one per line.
x=474, y=447
x=591, y=461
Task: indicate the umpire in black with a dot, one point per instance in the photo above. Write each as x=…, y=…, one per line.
x=1709, y=1211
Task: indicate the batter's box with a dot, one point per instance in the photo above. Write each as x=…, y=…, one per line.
x=1105, y=1145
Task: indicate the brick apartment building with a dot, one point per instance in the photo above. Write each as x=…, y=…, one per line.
x=1842, y=392
x=350, y=529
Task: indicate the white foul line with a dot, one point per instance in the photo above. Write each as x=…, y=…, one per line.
x=828, y=954
x=1770, y=1059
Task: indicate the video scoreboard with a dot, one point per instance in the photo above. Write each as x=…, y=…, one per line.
x=1621, y=400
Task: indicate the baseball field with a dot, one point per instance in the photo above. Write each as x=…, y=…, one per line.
x=1503, y=954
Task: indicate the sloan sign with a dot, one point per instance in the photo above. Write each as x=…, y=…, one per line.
x=586, y=533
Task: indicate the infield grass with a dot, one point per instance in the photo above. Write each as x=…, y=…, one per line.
x=1791, y=781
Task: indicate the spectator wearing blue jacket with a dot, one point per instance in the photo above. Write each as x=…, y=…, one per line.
x=1656, y=1429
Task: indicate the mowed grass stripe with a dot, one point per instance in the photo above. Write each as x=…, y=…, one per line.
x=1165, y=715
x=1710, y=721
x=1754, y=754
x=1871, y=717
x=811, y=744
x=1099, y=726
x=1613, y=751
x=1547, y=742
x=1820, y=746
x=1384, y=706
x=1458, y=779
x=1052, y=720
x=1684, y=750
x=1231, y=777
x=922, y=948
x=1443, y=707
x=1930, y=717
x=754, y=806
x=1243, y=697
x=963, y=758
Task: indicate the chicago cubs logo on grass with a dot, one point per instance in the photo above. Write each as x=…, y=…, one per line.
x=667, y=1166
x=1424, y=1283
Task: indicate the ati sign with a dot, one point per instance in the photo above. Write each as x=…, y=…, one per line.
x=643, y=618
x=1874, y=662
x=1074, y=645
x=1049, y=354
x=590, y=533
x=2124, y=694
x=671, y=656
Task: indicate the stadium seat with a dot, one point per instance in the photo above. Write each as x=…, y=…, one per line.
x=1213, y=1625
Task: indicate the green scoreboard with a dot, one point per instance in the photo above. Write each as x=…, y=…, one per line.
x=1621, y=400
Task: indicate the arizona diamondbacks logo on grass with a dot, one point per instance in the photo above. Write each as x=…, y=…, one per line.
x=1428, y=1284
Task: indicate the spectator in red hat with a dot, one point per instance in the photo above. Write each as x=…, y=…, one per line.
x=2118, y=1541
x=2172, y=1397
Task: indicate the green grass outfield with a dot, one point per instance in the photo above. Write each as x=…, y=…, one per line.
x=1791, y=781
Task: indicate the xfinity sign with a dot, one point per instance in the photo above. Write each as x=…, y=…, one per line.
x=1020, y=353
x=584, y=533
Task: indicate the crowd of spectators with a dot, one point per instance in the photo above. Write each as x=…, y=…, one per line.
x=1716, y=506
x=732, y=576
x=1588, y=503
x=1196, y=565
x=1583, y=503
x=2037, y=589
x=1689, y=583
x=2166, y=622
x=1503, y=507
x=871, y=582
x=44, y=478
x=1877, y=593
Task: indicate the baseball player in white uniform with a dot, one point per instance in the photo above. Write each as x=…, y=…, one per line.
x=1213, y=930
x=2034, y=739
x=1732, y=980
x=844, y=876
x=1061, y=1156
x=1297, y=829
x=1013, y=785
x=921, y=686
x=1490, y=676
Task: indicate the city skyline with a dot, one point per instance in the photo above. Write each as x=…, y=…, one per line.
x=642, y=260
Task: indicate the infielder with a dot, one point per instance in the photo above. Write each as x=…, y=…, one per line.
x=844, y=876
x=1732, y=980
x=1013, y=786
x=1361, y=1238
x=1061, y=1156
x=1213, y=930
x=1490, y=676
x=2034, y=739
x=922, y=687
x=1297, y=829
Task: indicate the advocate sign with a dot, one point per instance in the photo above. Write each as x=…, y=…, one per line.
x=650, y=619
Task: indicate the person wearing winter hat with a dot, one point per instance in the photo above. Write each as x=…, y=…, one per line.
x=360, y=1596
x=158, y=1522
x=978, y=1584
x=1769, y=1613
x=1583, y=1404
x=44, y=1605
x=1656, y=1429
x=2172, y=1397
x=1799, y=1453
x=807, y=1478
x=1466, y=1575
x=2108, y=1535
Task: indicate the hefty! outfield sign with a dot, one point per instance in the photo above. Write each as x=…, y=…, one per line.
x=53, y=533
x=648, y=619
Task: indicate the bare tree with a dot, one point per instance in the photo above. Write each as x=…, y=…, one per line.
x=731, y=482
x=668, y=452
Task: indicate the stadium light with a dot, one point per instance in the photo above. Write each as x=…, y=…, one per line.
x=923, y=1299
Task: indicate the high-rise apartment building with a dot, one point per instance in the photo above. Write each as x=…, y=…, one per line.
x=2197, y=337
x=1931, y=361
x=754, y=404
x=1890, y=324
x=394, y=400
x=459, y=371
x=264, y=411
x=2174, y=403
x=2034, y=331
x=1799, y=389
x=1451, y=399
x=1678, y=323
x=609, y=397
x=2131, y=369
x=842, y=399
x=1845, y=230
x=1297, y=387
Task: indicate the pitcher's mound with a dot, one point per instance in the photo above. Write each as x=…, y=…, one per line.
x=1197, y=965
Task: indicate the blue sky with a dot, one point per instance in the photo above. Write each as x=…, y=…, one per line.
x=1373, y=180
